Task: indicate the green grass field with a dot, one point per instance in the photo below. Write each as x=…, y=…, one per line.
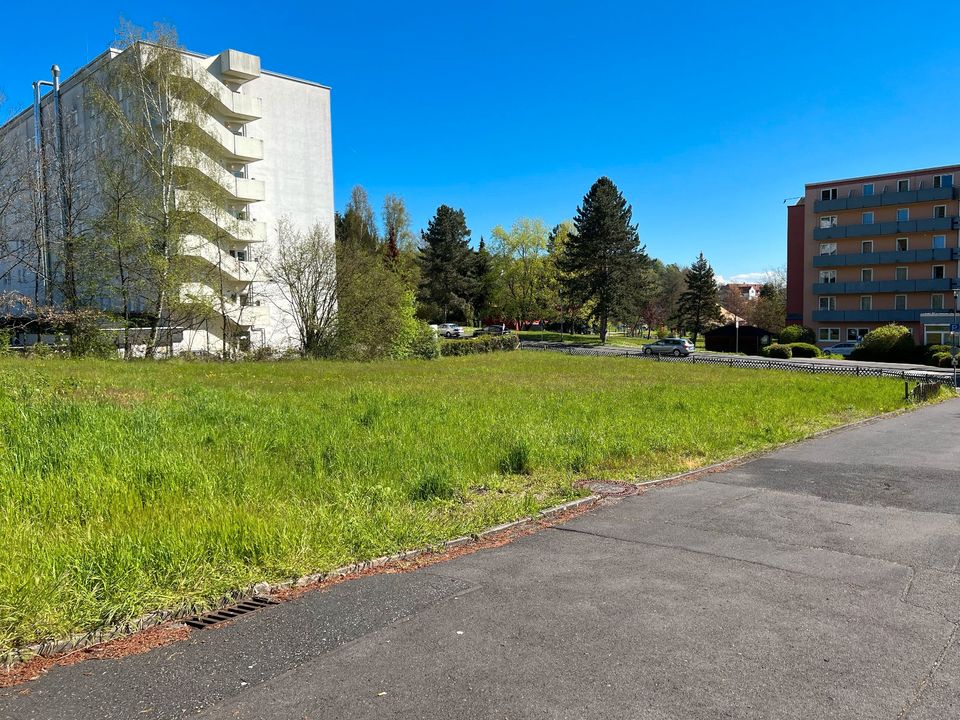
x=131, y=487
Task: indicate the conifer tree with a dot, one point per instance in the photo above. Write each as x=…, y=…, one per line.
x=699, y=305
x=603, y=252
x=448, y=279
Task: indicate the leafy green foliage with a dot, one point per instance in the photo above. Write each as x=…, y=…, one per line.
x=889, y=343
x=447, y=266
x=797, y=334
x=426, y=344
x=482, y=344
x=941, y=359
x=803, y=350
x=776, y=350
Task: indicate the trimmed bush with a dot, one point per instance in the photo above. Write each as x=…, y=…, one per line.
x=780, y=352
x=482, y=344
x=929, y=353
x=804, y=350
x=941, y=359
x=797, y=334
x=890, y=343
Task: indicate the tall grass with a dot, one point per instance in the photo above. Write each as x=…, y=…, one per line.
x=131, y=487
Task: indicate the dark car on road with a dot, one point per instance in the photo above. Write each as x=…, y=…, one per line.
x=669, y=346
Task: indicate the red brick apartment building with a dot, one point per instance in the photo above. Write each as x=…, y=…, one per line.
x=868, y=251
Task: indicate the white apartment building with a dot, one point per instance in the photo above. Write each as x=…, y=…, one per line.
x=272, y=155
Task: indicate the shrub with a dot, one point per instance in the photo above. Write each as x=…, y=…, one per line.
x=930, y=352
x=482, y=344
x=941, y=359
x=804, y=350
x=426, y=344
x=5, y=338
x=781, y=352
x=797, y=334
x=890, y=343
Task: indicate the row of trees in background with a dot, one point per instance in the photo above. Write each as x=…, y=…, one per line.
x=588, y=273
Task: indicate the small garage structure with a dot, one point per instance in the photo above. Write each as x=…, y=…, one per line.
x=751, y=339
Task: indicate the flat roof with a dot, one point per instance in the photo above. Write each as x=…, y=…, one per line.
x=884, y=176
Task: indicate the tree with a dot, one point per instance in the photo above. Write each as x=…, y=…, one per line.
x=603, y=252
x=485, y=295
x=145, y=104
x=448, y=279
x=733, y=301
x=770, y=310
x=357, y=225
x=698, y=308
x=520, y=260
x=303, y=265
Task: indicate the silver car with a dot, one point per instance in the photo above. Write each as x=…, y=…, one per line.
x=450, y=330
x=670, y=346
x=844, y=348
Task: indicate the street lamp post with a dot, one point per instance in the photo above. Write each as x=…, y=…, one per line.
x=953, y=335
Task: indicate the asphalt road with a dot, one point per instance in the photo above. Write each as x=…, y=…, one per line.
x=820, y=581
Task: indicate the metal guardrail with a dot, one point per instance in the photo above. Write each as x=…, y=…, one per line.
x=741, y=361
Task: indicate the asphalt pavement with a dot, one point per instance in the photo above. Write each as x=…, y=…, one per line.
x=819, y=581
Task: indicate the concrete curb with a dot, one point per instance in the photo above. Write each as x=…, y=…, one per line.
x=80, y=641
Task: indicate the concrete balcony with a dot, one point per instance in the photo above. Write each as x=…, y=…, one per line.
x=902, y=227
x=230, y=103
x=855, y=202
x=244, y=190
x=242, y=231
x=236, y=271
x=254, y=312
x=238, y=148
x=239, y=66
x=888, y=258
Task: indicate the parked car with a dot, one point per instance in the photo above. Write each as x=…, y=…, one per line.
x=669, y=346
x=844, y=348
x=493, y=330
x=450, y=330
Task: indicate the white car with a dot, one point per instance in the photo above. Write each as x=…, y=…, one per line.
x=844, y=348
x=450, y=330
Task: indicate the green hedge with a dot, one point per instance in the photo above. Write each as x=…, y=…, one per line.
x=941, y=359
x=482, y=344
x=804, y=350
x=780, y=352
x=889, y=343
x=797, y=334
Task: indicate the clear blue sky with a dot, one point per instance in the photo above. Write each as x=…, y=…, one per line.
x=707, y=115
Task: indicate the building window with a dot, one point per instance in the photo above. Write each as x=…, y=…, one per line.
x=939, y=211
x=828, y=276
x=901, y=273
x=936, y=334
x=866, y=246
x=856, y=334
x=939, y=242
x=829, y=194
x=942, y=181
x=903, y=185
x=828, y=248
x=903, y=244
x=866, y=274
x=903, y=214
x=828, y=221
x=937, y=272
x=936, y=302
x=828, y=302
x=899, y=302
x=867, y=189
x=866, y=302
x=867, y=218
x=828, y=334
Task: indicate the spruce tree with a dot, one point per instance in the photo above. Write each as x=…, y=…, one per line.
x=448, y=279
x=699, y=305
x=602, y=252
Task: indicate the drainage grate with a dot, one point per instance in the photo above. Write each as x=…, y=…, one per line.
x=200, y=622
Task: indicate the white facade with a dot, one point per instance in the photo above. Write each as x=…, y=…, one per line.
x=271, y=154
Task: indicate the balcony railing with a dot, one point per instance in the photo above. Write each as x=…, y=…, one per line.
x=851, y=316
x=886, y=286
x=887, y=258
x=901, y=227
x=856, y=202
